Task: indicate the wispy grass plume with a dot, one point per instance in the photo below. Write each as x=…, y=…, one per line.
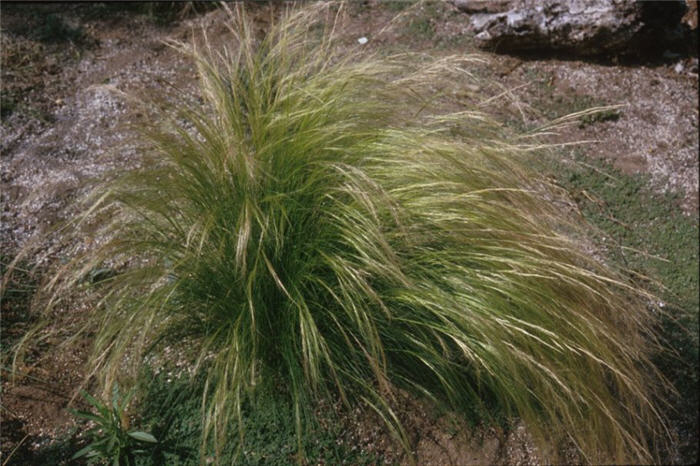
x=318, y=223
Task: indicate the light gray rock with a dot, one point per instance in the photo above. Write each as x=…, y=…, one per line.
x=584, y=27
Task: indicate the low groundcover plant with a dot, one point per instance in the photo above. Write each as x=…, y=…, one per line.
x=112, y=441
x=316, y=221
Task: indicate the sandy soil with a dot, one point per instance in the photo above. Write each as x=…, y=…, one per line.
x=67, y=125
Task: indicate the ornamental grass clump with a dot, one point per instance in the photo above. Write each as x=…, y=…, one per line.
x=317, y=222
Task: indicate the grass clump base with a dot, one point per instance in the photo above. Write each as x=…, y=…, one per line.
x=316, y=219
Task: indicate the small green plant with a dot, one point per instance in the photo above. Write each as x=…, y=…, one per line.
x=172, y=406
x=599, y=117
x=112, y=441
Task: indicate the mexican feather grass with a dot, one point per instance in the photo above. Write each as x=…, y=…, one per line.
x=316, y=221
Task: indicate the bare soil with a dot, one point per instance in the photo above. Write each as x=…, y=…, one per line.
x=63, y=124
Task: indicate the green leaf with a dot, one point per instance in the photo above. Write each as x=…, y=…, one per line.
x=143, y=437
x=101, y=408
x=115, y=396
x=116, y=419
x=127, y=398
x=111, y=443
x=88, y=416
x=83, y=452
x=100, y=443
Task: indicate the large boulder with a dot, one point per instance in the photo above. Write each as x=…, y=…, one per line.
x=582, y=27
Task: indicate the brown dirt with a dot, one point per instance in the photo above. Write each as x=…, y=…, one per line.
x=655, y=131
x=442, y=439
x=68, y=126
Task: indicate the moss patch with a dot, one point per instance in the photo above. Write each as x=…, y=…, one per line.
x=647, y=233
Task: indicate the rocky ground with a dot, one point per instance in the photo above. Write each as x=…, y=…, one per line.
x=65, y=69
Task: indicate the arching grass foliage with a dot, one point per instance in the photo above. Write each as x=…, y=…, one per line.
x=316, y=221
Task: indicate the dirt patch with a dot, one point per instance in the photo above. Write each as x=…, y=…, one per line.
x=65, y=126
x=443, y=439
x=654, y=131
